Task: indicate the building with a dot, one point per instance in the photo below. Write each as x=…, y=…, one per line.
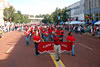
x=34, y=20
x=3, y=4
x=92, y=9
x=77, y=10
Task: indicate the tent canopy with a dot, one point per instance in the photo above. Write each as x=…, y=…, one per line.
x=97, y=23
x=77, y=22
x=67, y=22
x=61, y=22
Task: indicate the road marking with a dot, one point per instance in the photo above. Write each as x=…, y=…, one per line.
x=10, y=49
x=54, y=60
x=85, y=46
x=62, y=63
x=59, y=63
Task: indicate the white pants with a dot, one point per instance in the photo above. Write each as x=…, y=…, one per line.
x=57, y=49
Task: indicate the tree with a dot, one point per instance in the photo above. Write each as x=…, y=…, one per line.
x=57, y=16
x=9, y=13
x=16, y=17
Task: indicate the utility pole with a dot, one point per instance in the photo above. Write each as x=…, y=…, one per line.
x=90, y=9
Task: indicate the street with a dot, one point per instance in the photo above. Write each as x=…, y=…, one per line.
x=15, y=53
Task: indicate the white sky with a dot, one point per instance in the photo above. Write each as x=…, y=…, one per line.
x=36, y=7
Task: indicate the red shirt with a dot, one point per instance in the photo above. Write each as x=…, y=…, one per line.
x=70, y=38
x=36, y=38
x=61, y=32
x=31, y=29
x=49, y=30
x=46, y=33
x=27, y=33
x=56, y=40
x=33, y=33
x=26, y=28
x=58, y=32
x=40, y=28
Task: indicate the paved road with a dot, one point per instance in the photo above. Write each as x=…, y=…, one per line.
x=22, y=55
x=15, y=53
x=87, y=49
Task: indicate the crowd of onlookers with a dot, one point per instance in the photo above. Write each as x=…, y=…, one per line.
x=9, y=27
x=94, y=30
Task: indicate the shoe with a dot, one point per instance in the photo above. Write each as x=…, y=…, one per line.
x=38, y=55
x=73, y=55
x=57, y=60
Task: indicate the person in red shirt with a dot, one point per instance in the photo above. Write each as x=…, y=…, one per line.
x=46, y=35
x=58, y=31
x=36, y=39
x=27, y=34
x=61, y=34
x=50, y=30
x=57, y=46
x=70, y=38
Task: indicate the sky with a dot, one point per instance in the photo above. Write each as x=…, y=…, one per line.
x=36, y=7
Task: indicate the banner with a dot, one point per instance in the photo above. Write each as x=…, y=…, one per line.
x=49, y=46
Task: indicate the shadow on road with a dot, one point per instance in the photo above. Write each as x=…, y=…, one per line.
x=24, y=56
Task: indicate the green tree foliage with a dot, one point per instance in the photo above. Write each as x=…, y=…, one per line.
x=16, y=17
x=54, y=16
x=9, y=13
x=39, y=16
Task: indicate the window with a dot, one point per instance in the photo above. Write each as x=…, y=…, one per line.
x=97, y=14
x=97, y=19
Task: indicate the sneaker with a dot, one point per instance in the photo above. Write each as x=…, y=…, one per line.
x=73, y=55
x=57, y=60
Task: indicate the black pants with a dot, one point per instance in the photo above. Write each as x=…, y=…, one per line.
x=36, y=48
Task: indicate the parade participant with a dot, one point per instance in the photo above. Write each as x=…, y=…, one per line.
x=61, y=34
x=58, y=32
x=50, y=33
x=43, y=31
x=70, y=38
x=27, y=34
x=46, y=34
x=31, y=30
x=57, y=46
x=36, y=39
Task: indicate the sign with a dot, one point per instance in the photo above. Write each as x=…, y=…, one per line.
x=49, y=46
